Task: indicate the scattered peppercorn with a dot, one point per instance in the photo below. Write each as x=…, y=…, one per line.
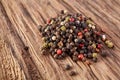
x=26, y=48
x=72, y=73
x=67, y=67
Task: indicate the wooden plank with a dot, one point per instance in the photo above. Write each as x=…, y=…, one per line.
x=18, y=28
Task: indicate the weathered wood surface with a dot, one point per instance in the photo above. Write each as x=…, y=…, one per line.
x=18, y=27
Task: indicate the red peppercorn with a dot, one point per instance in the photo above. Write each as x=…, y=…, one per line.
x=97, y=33
x=81, y=45
x=48, y=21
x=80, y=56
x=79, y=33
x=81, y=18
x=59, y=51
x=72, y=19
x=85, y=30
x=99, y=46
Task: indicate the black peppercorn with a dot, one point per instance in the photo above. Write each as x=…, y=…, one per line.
x=40, y=28
x=56, y=56
x=62, y=11
x=103, y=53
x=83, y=59
x=26, y=48
x=69, y=46
x=89, y=55
x=67, y=67
x=72, y=73
x=75, y=53
x=63, y=54
x=94, y=59
x=83, y=24
x=62, y=33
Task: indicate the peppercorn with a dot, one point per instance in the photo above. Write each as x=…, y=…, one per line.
x=71, y=31
x=81, y=51
x=67, y=18
x=59, y=51
x=45, y=45
x=69, y=46
x=81, y=45
x=67, y=67
x=94, y=55
x=103, y=37
x=62, y=11
x=60, y=57
x=77, y=40
x=94, y=45
x=97, y=50
x=110, y=45
x=88, y=62
x=72, y=73
x=74, y=58
x=83, y=24
x=53, y=38
x=26, y=48
x=93, y=26
x=63, y=28
x=94, y=59
x=80, y=56
x=72, y=19
x=77, y=22
x=67, y=25
x=43, y=52
x=87, y=34
x=84, y=59
x=89, y=55
x=63, y=54
x=40, y=28
x=60, y=44
x=56, y=56
x=103, y=53
x=63, y=33
x=99, y=46
x=79, y=33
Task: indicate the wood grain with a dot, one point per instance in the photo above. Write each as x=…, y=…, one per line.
x=18, y=28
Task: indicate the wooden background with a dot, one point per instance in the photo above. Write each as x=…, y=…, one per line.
x=18, y=28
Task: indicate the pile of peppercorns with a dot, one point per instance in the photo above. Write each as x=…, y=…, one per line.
x=73, y=35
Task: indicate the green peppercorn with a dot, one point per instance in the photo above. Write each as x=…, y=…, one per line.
x=94, y=45
x=63, y=28
x=67, y=18
x=94, y=55
x=45, y=45
x=110, y=45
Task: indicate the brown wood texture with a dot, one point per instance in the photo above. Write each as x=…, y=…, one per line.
x=18, y=28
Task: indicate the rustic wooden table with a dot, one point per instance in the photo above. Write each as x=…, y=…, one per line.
x=18, y=27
